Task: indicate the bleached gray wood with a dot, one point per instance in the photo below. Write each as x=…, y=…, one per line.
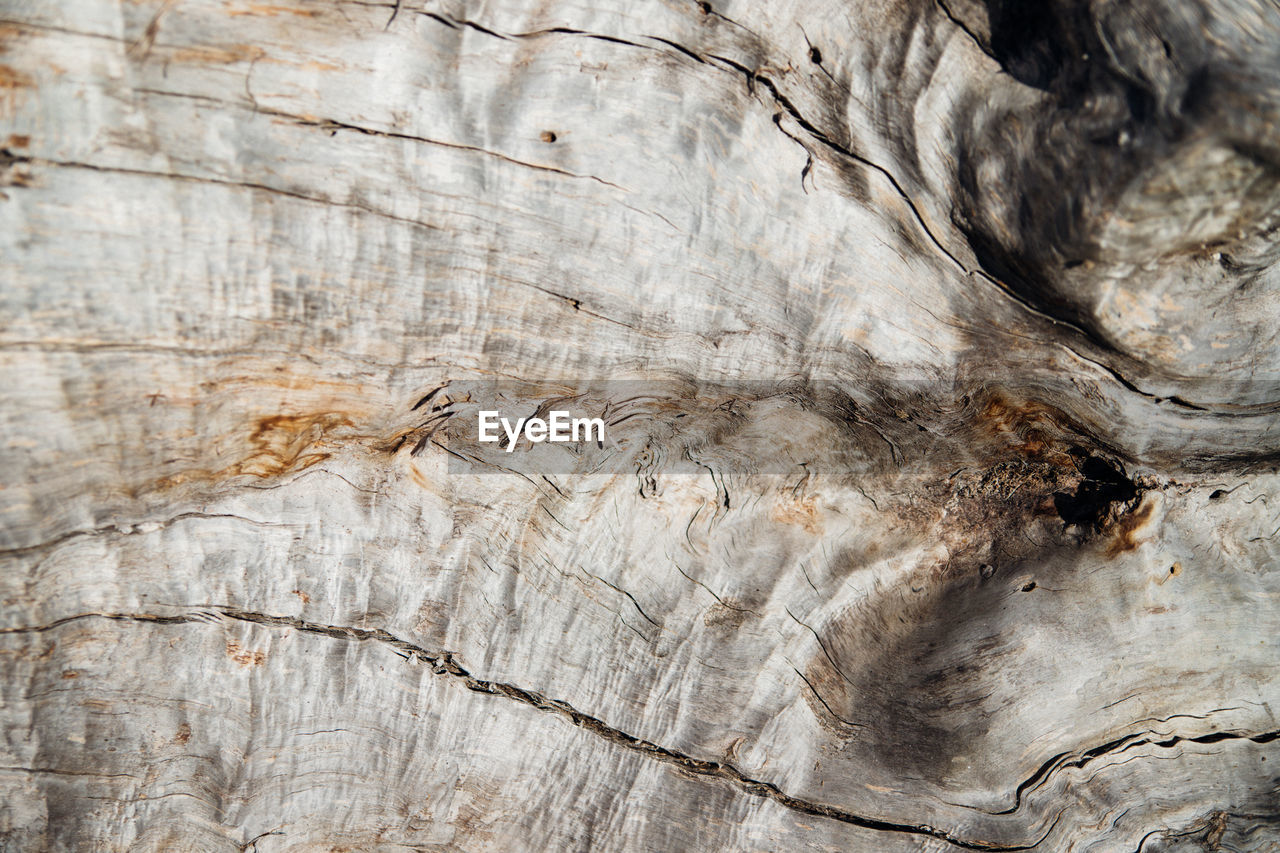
x=934, y=279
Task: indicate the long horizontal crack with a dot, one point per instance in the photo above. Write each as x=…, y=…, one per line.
x=122, y=529
x=1254, y=410
x=328, y=124
x=1073, y=759
x=224, y=182
x=444, y=664
x=334, y=125
x=250, y=185
x=752, y=77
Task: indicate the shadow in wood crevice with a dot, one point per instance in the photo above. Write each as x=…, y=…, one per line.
x=1139, y=179
x=1104, y=493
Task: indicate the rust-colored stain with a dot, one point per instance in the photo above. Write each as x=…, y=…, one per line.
x=417, y=477
x=184, y=733
x=235, y=53
x=802, y=512
x=17, y=140
x=12, y=84
x=315, y=65
x=271, y=11
x=70, y=673
x=393, y=444
x=243, y=656
x=288, y=443
x=1033, y=426
x=277, y=445
x=227, y=55
x=1174, y=571
x=306, y=599
x=1127, y=529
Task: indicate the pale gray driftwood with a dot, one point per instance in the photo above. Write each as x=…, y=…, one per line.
x=949, y=522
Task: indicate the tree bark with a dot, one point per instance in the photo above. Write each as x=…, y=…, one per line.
x=937, y=344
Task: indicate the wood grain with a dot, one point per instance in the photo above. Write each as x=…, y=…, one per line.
x=941, y=344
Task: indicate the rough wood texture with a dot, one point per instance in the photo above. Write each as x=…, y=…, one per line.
x=965, y=313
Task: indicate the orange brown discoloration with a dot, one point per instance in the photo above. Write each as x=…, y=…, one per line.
x=243, y=656
x=277, y=444
x=799, y=511
x=17, y=140
x=1036, y=428
x=12, y=84
x=228, y=55
x=272, y=11
x=236, y=53
x=289, y=442
x=416, y=476
x=398, y=440
x=315, y=65
x=8, y=33
x=433, y=619
x=1128, y=527
x=184, y=733
x=306, y=599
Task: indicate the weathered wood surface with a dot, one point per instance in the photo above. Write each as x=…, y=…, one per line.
x=1013, y=267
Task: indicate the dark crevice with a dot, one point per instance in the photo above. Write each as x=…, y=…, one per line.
x=1094, y=501
x=823, y=702
x=677, y=46
x=123, y=529
x=1069, y=760
x=752, y=77
x=442, y=663
x=983, y=46
x=1037, y=42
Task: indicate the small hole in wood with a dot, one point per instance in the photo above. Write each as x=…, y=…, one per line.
x=547, y=136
